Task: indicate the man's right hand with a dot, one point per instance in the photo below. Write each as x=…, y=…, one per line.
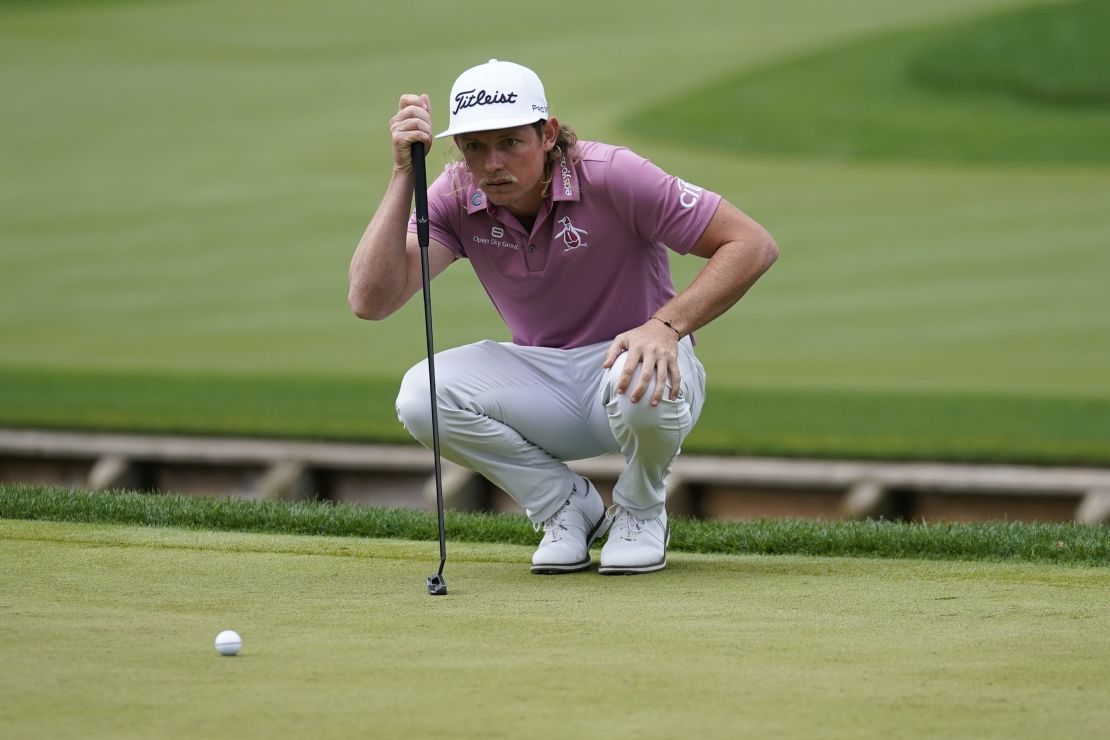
x=412, y=123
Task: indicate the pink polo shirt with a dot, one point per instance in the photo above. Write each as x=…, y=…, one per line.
x=594, y=263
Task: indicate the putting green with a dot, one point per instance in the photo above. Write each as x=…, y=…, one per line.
x=107, y=632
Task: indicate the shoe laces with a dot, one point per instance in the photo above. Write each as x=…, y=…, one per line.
x=555, y=525
x=625, y=522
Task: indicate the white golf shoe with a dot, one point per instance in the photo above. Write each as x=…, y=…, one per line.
x=567, y=536
x=634, y=545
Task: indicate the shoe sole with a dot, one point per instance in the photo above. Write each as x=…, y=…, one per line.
x=555, y=569
x=631, y=570
x=635, y=570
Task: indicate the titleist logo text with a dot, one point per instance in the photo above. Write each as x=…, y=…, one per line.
x=471, y=98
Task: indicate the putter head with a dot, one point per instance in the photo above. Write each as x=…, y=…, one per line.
x=437, y=586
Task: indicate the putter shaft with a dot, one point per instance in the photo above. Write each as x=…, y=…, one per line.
x=437, y=586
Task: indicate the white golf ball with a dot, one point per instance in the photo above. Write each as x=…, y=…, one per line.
x=228, y=642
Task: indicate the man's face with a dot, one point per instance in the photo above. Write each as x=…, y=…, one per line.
x=507, y=164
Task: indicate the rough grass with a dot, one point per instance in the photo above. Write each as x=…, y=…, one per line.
x=1056, y=54
x=876, y=425
x=1024, y=86
x=1012, y=541
x=106, y=631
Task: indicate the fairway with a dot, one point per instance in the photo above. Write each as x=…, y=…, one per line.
x=186, y=183
x=106, y=631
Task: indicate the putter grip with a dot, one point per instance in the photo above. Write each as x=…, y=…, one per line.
x=420, y=189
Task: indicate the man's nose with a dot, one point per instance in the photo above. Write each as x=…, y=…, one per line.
x=494, y=162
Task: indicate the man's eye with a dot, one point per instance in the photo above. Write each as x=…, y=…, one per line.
x=471, y=146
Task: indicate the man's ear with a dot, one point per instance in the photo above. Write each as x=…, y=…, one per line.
x=550, y=133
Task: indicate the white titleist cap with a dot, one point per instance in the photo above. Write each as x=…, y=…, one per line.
x=495, y=95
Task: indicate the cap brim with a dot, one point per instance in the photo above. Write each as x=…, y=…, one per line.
x=488, y=124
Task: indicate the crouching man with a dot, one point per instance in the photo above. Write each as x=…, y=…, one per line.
x=570, y=240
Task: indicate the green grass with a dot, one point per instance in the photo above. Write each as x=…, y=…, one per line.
x=979, y=92
x=107, y=632
x=183, y=268
x=876, y=425
x=182, y=403
x=1051, y=53
x=1045, y=543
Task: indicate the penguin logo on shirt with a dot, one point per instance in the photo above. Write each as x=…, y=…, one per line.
x=573, y=237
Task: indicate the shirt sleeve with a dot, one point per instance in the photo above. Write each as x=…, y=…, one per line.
x=444, y=213
x=656, y=206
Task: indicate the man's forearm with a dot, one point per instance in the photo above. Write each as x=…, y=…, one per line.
x=377, y=274
x=726, y=277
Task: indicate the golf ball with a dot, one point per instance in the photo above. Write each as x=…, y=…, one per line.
x=228, y=642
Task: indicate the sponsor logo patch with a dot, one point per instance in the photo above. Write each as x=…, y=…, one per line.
x=492, y=241
x=476, y=199
x=572, y=236
x=564, y=170
x=688, y=195
x=470, y=98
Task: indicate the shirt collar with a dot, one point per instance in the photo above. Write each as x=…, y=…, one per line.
x=564, y=181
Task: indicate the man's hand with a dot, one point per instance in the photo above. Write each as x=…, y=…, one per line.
x=653, y=347
x=412, y=123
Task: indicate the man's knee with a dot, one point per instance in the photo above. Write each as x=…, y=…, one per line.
x=639, y=415
x=414, y=404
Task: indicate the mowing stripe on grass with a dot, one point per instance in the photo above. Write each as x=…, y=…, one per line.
x=1023, y=86
x=1052, y=53
x=1050, y=543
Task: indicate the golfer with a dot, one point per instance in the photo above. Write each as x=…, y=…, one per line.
x=569, y=239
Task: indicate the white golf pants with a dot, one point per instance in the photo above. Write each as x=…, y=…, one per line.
x=516, y=415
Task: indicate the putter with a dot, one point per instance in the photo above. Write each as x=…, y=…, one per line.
x=436, y=585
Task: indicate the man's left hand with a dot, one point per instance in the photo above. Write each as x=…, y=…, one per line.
x=653, y=348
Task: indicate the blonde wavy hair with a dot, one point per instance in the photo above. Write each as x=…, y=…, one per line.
x=566, y=145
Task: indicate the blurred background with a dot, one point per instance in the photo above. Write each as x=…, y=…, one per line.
x=184, y=184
